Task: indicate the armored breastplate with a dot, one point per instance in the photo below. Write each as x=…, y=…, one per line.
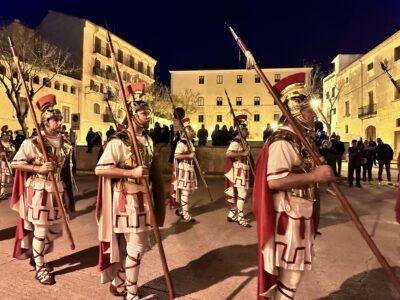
x=56, y=154
x=145, y=147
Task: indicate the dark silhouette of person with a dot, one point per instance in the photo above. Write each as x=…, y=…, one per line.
x=384, y=155
x=89, y=140
x=216, y=136
x=110, y=132
x=267, y=132
x=355, y=159
x=202, y=134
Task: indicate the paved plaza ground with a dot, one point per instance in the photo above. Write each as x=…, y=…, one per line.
x=213, y=259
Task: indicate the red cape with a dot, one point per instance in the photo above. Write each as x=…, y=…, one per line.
x=397, y=207
x=264, y=213
x=21, y=232
x=227, y=182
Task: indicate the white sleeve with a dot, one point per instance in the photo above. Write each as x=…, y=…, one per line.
x=112, y=155
x=234, y=147
x=281, y=158
x=25, y=154
x=181, y=148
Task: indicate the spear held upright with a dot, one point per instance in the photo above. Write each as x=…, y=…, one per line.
x=339, y=194
x=191, y=150
x=41, y=143
x=139, y=160
x=243, y=142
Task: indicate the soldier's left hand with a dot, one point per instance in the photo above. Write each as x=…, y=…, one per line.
x=322, y=159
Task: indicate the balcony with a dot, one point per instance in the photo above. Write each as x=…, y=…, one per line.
x=367, y=111
x=104, y=73
x=107, y=118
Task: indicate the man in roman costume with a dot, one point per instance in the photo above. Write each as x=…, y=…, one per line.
x=7, y=152
x=40, y=219
x=237, y=174
x=122, y=212
x=283, y=197
x=184, y=180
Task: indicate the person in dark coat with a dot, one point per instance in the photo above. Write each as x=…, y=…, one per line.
x=267, y=132
x=329, y=154
x=89, y=140
x=216, y=136
x=224, y=136
x=368, y=154
x=384, y=155
x=202, y=134
x=339, y=148
x=355, y=159
x=110, y=132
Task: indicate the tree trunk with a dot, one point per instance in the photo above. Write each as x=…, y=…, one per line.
x=21, y=121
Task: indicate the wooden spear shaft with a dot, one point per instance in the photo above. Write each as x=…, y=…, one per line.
x=139, y=160
x=41, y=143
x=339, y=194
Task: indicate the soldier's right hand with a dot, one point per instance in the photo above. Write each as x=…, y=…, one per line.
x=324, y=173
x=191, y=155
x=46, y=168
x=139, y=172
x=245, y=153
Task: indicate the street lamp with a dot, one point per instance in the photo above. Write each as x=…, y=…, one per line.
x=315, y=103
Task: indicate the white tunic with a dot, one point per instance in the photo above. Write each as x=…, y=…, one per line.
x=129, y=205
x=186, y=176
x=294, y=250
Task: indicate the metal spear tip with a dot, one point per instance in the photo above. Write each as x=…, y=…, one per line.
x=10, y=41
x=235, y=36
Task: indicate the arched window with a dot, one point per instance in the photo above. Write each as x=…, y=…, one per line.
x=73, y=90
x=46, y=82
x=65, y=87
x=57, y=85
x=3, y=70
x=96, y=108
x=36, y=80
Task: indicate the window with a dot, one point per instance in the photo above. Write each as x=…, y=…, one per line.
x=239, y=79
x=397, y=122
x=101, y=88
x=277, y=77
x=347, y=109
x=66, y=114
x=96, y=108
x=73, y=90
x=370, y=66
x=3, y=70
x=219, y=118
x=256, y=100
x=346, y=129
x=370, y=98
x=276, y=117
x=148, y=71
x=140, y=66
x=397, y=90
x=327, y=95
x=131, y=62
x=120, y=56
x=201, y=79
x=57, y=85
x=94, y=86
x=65, y=88
x=257, y=78
x=200, y=101
x=46, y=82
x=397, y=53
x=200, y=119
x=124, y=76
x=238, y=101
x=333, y=92
x=219, y=79
x=219, y=101
x=334, y=111
x=347, y=79
x=97, y=45
x=256, y=118
x=36, y=79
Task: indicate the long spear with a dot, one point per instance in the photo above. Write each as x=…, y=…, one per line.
x=244, y=143
x=41, y=143
x=191, y=150
x=139, y=160
x=339, y=194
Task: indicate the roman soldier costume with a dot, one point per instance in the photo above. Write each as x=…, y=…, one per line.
x=237, y=177
x=40, y=220
x=183, y=178
x=122, y=213
x=7, y=152
x=284, y=217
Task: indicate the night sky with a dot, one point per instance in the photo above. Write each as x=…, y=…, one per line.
x=191, y=34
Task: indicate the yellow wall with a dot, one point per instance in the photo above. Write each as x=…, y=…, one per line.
x=355, y=82
x=210, y=90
